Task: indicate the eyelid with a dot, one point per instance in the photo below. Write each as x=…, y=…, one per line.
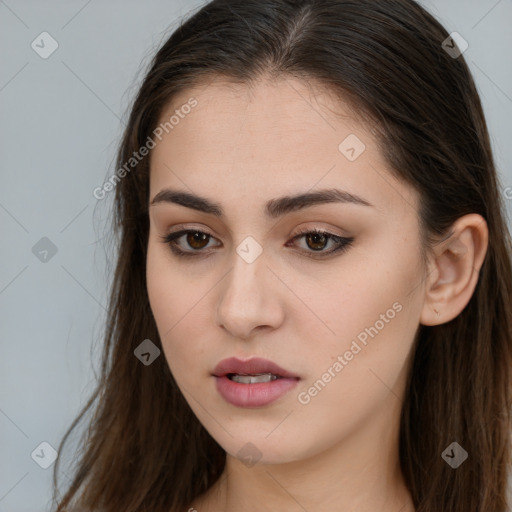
x=308, y=229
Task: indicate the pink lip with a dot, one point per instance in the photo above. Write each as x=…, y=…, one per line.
x=250, y=367
x=252, y=395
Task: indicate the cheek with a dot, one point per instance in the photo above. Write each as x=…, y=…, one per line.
x=365, y=289
x=372, y=316
x=162, y=282
x=176, y=302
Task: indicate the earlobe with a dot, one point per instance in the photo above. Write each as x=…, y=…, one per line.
x=450, y=286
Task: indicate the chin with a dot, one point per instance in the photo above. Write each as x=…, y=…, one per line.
x=255, y=451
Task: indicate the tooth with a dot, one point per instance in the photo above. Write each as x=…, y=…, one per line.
x=254, y=379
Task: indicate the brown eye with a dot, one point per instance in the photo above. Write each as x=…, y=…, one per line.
x=316, y=241
x=319, y=243
x=197, y=239
x=188, y=242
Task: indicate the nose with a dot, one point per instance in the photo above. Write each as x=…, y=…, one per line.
x=250, y=298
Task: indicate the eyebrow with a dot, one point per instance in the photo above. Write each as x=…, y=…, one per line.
x=274, y=208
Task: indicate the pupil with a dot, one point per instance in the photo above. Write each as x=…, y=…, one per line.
x=316, y=237
x=197, y=238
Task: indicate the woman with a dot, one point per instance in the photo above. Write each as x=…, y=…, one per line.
x=311, y=308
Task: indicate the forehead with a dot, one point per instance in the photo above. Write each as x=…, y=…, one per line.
x=271, y=138
x=276, y=100
x=285, y=106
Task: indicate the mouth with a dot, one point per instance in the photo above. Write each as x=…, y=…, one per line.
x=252, y=379
x=252, y=383
x=254, y=370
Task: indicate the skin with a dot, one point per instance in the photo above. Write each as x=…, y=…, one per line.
x=240, y=147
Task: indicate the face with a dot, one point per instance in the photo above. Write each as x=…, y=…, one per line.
x=337, y=309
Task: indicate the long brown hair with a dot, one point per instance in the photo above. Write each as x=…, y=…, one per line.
x=144, y=449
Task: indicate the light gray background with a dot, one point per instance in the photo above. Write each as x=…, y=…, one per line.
x=61, y=119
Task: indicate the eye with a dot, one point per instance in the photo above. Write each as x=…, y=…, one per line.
x=195, y=239
x=316, y=240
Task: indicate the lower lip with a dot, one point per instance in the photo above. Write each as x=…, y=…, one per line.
x=253, y=395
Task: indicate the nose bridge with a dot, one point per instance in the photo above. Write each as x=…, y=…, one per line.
x=246, y=300
x=245, y=276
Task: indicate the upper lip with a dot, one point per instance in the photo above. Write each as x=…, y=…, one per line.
x=251, y=366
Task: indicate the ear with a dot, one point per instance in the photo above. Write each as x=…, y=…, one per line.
x=454, y=271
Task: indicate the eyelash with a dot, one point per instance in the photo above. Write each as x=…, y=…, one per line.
x=343, y=243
